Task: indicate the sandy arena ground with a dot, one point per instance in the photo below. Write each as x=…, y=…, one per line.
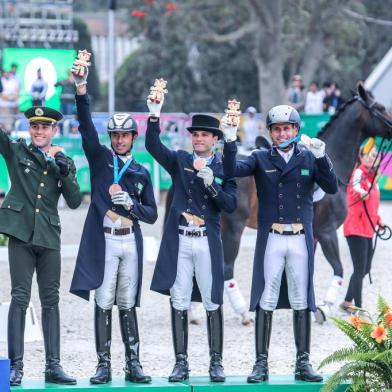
x=78, y=352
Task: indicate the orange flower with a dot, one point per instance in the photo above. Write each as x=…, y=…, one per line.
x=379, y=333
x=387, y=309
x=357, y=322
x=138, y=14
x=388, y=319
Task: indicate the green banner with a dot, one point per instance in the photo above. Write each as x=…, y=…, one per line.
x=54, y=65
x=311, y=124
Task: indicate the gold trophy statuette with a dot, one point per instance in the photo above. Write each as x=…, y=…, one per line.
x=82, y=62
x=233, y=112
x=158, y=90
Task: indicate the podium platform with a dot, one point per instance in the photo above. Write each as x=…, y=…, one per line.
x=194, y=384
x=4, y=374
x=117, y=385
x=276, y=383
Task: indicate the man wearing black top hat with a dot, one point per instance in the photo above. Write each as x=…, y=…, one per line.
x=39, y=173
x=190, y=261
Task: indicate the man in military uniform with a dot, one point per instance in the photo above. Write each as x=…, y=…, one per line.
x=39, y=174
x=110, y=258
x=191, y=245
x=285, y=176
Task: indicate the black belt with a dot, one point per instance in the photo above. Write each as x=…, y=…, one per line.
x=302, y=231
x=118, y=231
x=193, y=233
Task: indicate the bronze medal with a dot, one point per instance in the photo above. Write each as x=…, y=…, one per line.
x=199, y=163
x=114, y=188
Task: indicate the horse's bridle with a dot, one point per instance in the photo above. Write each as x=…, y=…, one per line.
x=374, y=113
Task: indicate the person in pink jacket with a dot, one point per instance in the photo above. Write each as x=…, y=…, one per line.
x=363, y=200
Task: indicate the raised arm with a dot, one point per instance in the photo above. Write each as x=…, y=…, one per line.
x=246, y=167
x=163, y=155
x=89, y=134
x=231, y=167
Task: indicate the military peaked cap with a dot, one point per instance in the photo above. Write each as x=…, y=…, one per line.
x=43, y=114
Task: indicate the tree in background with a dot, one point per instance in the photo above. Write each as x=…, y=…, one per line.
x=212, y=50
x=197, y=71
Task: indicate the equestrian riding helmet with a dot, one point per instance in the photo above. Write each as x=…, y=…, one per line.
x=122, y=122
x=283, y=114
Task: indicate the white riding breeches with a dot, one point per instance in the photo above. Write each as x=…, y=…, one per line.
x=194, y=259
x=120, y=281
x=289, y=253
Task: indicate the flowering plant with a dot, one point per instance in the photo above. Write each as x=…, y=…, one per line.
x=368, y=363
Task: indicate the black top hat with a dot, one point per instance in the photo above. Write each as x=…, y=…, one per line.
x=43, y=114
x=203, y=122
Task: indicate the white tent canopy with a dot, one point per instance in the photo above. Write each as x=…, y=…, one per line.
x=379, y=82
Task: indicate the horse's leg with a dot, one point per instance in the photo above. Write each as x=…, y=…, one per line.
x=232, y=228
x=330, y=246
x=329, y=214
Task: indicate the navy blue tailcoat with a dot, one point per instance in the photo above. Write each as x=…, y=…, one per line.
x=90, y=263
x=285, y=195
x=190, y=195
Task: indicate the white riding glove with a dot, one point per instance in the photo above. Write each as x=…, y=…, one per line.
x=229, y=130
x=314, y=145
x=79, y=80
x=154, y=107
x=207, y=175
x=122, y=198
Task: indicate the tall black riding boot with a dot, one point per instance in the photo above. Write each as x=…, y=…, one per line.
x=130, y=336
x=263, y=329
x=103, y=339
x=302, y=331
x=16, y=328
x=54, y=372
x=179, y=324
x=215, y=341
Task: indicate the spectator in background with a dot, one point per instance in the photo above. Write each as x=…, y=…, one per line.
x=333, y=100
x=10, y=94
x=362, y=221
x=314, y=100
x=252, y=128
x=295, y=93
x=67, y=96
x=38, y=90
x=9, y=99
x=326, y=90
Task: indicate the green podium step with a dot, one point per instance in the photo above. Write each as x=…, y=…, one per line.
x=238, y=384
x=194, y=384
x=117, y=385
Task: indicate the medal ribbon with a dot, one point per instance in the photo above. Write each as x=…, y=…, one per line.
x=116, y=175
x=288, y=142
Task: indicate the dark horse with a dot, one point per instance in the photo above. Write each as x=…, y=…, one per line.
x=357, y=119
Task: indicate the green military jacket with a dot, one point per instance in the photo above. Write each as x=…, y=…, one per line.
x=29, y=211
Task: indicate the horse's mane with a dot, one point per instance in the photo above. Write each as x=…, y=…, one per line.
x=341, y=109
